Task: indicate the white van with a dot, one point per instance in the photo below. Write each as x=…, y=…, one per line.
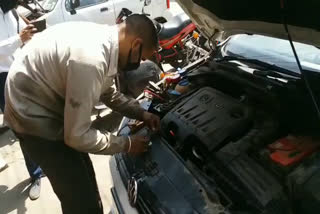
x=99, y=11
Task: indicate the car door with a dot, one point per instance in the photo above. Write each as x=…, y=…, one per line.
x=134, y=5
x=98, y=11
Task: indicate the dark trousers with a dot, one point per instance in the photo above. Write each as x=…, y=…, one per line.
x=34, y=170
x=3, y=77
x=70, y=173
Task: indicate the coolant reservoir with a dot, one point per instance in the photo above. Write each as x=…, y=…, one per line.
x=183, y=86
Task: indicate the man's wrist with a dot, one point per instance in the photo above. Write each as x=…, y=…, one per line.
x=130, y=144
x=18, y=38
x=117, y=144
x=141, y=114
x=126, y=145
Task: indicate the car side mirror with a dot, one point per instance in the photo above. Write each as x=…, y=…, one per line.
x=73, y=5
x=147, y=2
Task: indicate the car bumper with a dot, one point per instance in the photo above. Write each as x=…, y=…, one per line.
x=119, y=200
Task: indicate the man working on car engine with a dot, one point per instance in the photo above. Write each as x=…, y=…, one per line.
x=51, y=91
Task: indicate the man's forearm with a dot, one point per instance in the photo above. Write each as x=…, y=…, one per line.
x=134, y=113
x=115, y=145
x=24, y=19
x=10, y=45
x=126, y=106
x=93, y=141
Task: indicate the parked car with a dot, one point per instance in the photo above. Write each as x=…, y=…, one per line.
x=243, y=135
x=98, y=11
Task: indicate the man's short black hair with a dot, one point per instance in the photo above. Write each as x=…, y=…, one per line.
x=141, y=26
x=7, y=5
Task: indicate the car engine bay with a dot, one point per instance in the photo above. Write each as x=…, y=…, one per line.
x=249, y=142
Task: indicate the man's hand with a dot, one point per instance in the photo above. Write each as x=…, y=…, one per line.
x=152, y=121
x=139, y=144
x=27, y=33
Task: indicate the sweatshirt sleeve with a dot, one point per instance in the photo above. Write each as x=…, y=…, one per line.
x=83, y=88
x=10, y=45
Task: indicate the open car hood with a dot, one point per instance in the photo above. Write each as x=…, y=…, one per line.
x=220, y=18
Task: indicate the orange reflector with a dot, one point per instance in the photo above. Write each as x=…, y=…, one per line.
x=195, y=35
x=162, y=75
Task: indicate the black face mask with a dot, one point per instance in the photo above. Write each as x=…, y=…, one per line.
x=133, y=65
x=7, y=5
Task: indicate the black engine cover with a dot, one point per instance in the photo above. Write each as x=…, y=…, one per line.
x=209, y=115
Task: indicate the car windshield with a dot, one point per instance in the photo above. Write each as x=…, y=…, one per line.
x=273, y=51
x=49, y=5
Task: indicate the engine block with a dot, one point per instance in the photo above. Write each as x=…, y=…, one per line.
x=208, y=115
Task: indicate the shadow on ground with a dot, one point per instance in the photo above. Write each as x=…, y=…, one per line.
x=18, y=194
x=7, y=138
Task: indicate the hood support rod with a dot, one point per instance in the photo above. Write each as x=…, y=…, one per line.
x=303, y=75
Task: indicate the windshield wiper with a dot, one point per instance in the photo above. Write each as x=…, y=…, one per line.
x=269, y=69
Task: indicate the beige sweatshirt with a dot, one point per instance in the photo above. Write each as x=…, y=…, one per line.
x=57, y=79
